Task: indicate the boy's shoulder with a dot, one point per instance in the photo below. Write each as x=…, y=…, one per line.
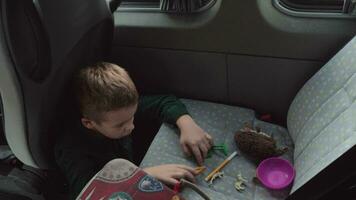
x=71, y=136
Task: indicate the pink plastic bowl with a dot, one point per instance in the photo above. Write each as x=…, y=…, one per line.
x=275, y=173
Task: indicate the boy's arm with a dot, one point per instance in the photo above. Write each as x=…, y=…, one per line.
x=78, y=169
x=167, y=108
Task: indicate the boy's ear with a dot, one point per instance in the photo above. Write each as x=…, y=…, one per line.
x=87, y=123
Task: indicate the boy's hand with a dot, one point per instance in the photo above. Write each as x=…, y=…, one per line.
x=171, y=174
x=193, y=139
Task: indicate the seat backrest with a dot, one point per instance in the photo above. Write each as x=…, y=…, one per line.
x=44, y=44
x=322, y=117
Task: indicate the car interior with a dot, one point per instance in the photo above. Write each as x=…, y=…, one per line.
x=286, y=66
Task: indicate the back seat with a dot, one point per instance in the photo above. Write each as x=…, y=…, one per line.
x=321, y=126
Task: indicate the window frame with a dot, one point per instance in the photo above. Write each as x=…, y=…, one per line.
x=131, y=8
x=314, y=13
x=139, y=6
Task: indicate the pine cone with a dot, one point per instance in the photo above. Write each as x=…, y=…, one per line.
x=257, y=145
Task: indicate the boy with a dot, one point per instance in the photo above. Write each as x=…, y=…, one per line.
x=109, y=103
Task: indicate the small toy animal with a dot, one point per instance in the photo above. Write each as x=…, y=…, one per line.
x=256, y=144
x=215, y=176
x=240, y=183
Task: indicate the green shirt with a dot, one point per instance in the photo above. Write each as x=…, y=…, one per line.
x=80, y=154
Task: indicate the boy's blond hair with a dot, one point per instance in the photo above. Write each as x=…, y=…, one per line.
x=104, y=87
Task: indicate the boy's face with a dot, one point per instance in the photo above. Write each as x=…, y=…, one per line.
x=114, y=124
